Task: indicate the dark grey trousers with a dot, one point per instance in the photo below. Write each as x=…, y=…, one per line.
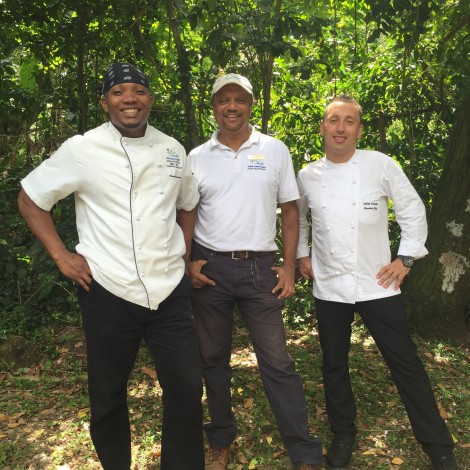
x=248, y=285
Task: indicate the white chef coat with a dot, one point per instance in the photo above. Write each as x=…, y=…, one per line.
x=349, y=208
x=126, y=193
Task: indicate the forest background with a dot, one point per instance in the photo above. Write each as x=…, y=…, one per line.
x=406, y=61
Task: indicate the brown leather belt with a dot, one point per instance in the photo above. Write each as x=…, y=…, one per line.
x=245, y=254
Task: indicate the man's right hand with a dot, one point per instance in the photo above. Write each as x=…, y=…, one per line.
x=75, y=267
x=198, y=279
x=305, y=267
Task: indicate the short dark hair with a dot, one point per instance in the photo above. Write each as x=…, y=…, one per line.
x=343, y=98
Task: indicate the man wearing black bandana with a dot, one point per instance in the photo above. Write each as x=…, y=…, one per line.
x=135, y=201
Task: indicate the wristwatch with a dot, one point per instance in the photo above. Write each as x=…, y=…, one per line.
x=406, y=260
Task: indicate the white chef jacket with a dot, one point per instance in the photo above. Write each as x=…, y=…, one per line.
x=126, y=194
x=349, y=208
x=239, y=192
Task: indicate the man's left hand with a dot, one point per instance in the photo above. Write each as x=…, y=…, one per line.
x=395, y=271
x=285, y=281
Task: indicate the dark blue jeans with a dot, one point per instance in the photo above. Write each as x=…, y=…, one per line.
x=248, y=284
x=114, y=329
x=386, y=321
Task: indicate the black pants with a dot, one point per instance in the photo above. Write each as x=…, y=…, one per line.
x=114, y=329
x=386, y=321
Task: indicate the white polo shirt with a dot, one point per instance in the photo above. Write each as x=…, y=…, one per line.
x=126, y=194
x=239, y=192
x=349, y=207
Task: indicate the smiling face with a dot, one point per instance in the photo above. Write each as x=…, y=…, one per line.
x=341, y=128
x=232, y=110
x=128, y=106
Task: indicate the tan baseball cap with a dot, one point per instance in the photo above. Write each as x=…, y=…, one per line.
x=232, y=78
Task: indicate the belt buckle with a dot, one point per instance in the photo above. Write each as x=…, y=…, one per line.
x=240, y=255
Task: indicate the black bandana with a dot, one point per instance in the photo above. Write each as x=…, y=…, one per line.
x=123, y=73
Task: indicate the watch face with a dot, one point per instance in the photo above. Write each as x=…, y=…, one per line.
x=407, y=261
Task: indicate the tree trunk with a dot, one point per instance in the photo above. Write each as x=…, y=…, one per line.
x=267, y=79
x=184, y=71
x=81, y=79
x=438, y=290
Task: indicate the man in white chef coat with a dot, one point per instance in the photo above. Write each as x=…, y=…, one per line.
x=347, y=192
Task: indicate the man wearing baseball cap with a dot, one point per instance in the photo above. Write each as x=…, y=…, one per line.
x=242, y=176
x=135, y=202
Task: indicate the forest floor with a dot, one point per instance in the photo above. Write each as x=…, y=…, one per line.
x=44, y=410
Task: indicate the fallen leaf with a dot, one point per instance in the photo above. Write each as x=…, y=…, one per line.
x=83, y=412
x=276, y=455
x=241, y=458
x=374, y=452
x=443, y=412
x=269, y=439
x=17, y=416
x=248, y=403
x=13, y=425
x=380, y=421
x=397, y=461
x=150, y=372
x=392, y=403
x=465, y=446
x=318, y=411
